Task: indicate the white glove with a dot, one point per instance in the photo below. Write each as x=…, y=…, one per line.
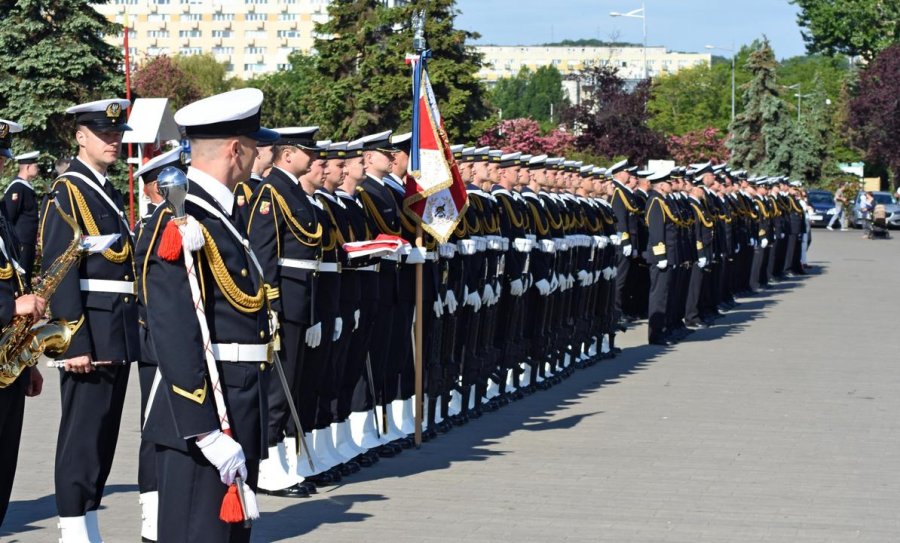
x=764, y=243
x=516, y=287
x=450, y=302
x=467, y=247
x=604, y=241
x=613, y=273
x=488, y=297
x=356, y=319
x=571, y=281
x=662, y=264
x=438, y=308
x=584, y=277
x=626, y=250
x=225, y=454
x=615, y=239
x=548, y=245
x=416, y=256
x=554, y=282
x=597, y=274
x=314, y=335
x=447, y=250
x=782, y=235
x=752, y=242
x=701, y=262
x=543, y=287
x=338, y=328
x=474, y=300
x=497, y=293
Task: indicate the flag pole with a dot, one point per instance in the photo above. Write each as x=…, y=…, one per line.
x=419, y=45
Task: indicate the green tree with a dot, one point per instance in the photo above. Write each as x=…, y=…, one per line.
x=52, y=56
x=363, y=84
x=851, y=27
x=206, y=72
x=531, y=95
x=762, y=135
x=812, y=142
x=696, y=98
x=287, y=91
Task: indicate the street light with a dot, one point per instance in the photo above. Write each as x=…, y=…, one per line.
x=733, y=56
x=642, y=15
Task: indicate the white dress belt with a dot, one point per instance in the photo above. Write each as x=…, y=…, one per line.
x=372, y=268
x=240, y=352
x=315, y=265
x=106, y=285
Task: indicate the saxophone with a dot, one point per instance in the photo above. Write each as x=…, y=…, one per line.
x=21, y=342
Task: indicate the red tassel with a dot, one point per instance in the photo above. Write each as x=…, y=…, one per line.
x=170, y=243
x=231, y=511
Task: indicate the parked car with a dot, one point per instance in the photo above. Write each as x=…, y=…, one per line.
x=891, y=208
x=822, y=204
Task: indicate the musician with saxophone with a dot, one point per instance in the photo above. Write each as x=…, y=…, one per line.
x=13, y=301
x=97, y=300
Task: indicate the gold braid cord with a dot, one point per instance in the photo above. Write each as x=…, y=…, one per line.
x=373, y=211
x=631, y=209
x=668, y=214
x=542, y=229
x=702, y=217
x=292, y=223
x=516, y=221
x=240, y=300
x=6, y=272
x=116, y=257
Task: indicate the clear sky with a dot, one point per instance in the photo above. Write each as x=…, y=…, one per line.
x=679, y=25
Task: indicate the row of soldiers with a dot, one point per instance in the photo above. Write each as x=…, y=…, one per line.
x=312, y=345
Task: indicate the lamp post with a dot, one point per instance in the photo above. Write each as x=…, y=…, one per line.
x=800, y=98
x=733, y=57
x=642, y=15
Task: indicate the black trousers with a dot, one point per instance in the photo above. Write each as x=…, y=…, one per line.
x=88, y=431
x=26, y=259
x=355, y=395
x=190, y=496
x=147, y=451
x=315, y=378
x=656, y=306
x=623, y=264
x=12, y=409
x=756, y=276
x=399, y=382
x=380, y=350
x=692, y=302
x=293, y=342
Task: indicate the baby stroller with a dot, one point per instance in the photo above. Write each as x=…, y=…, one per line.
x=878, y=227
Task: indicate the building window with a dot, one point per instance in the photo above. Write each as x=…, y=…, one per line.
x=157, y=51
x=255, y=68
x=256, y=1
x=284, y=66
x=254, y=50
x=284, y=16
x=131, y=34
x=157, y=33
x=187, y=51
x=229, y=67
x=288, y=34
x=191, y=16
x=221, y=33
x=190, y=34
x=255, y=17
x=157, y=17
x=223, y=16
x=255, y=34
x=161, y=2
x=222, y=50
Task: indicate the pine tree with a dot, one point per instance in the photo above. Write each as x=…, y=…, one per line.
x=52, y=56
x=813, y=140
x=363, y=83
x=762, y=135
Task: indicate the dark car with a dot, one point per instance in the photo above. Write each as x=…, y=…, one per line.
x=822, y=204
x=891, y=208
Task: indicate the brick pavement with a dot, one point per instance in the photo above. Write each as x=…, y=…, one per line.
x=782, y=429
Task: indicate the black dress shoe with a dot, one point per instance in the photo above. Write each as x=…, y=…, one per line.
x=428, y=434
x=518, y=395
x=309, y=486
x=696, y=325
x=349, y=468
x=475, y=413
x=335, y=474
x=295, y=491
x=403, y=443
x=321, y=479
x=147, y=540
x=385, y=452
x=444, y=426
x=363, y=461
x=661, y=342
x=371, y=455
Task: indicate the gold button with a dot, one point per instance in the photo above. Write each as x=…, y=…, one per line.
x=244, y=272
x=262, y=367
x=126, y=299
x=262, y=334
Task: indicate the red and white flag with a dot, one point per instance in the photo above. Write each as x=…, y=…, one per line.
x=435, y=193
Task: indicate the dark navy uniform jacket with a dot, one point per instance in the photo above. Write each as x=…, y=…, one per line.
x=284, y=224
x=183, y=405
x=105, y=322
x=381, y=207
x=22, y=211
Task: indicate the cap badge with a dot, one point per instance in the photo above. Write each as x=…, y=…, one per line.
x=113, y=110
